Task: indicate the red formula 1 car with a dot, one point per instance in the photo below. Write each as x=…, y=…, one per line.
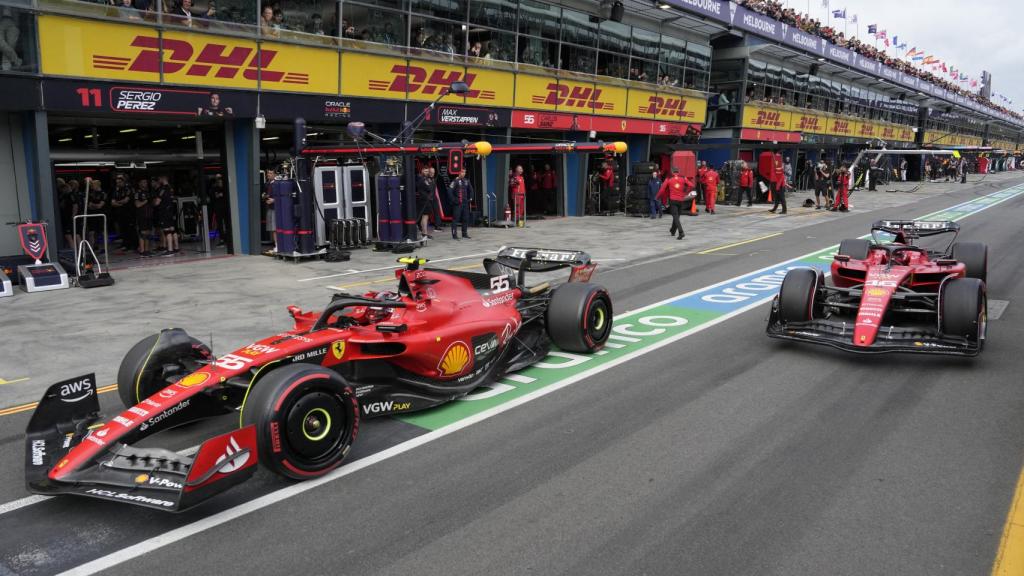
x=890, y=295
x=300, y=394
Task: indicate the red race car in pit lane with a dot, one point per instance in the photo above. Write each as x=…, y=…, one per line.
x=300, y=394
x=890, y=295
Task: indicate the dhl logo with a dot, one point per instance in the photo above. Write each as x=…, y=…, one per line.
x=675, y=107
x=573, y=97
x=808, y=124
x=888, y=132
x=768, y=118
x=841, y=126
x=867, y=130
x=419, y=80
x=211, y=58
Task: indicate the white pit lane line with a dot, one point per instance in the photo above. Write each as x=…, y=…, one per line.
x=212, y=521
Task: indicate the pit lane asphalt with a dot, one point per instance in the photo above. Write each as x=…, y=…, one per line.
x=723, y=453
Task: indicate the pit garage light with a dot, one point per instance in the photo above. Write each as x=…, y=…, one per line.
x=159, y=140
x=128, y=130
x=821, y=59
x=87, y=136
x=313, y=134
x=188, y=137
x=270, y=138
x=664, y=6
x=65, y=140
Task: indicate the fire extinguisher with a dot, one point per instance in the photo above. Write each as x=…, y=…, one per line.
x=508, y=214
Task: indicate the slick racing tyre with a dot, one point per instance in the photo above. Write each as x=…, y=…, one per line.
x=156, y=362
x=856, y=249
x=306, y=419
x=963, y=309
x=579, y=317
x=974, y=255
x=798, y=294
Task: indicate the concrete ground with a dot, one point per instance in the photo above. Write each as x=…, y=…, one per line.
x=230, y=301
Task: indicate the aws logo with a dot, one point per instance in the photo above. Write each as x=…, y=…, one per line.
x=809, y=124
x=573, y=97
x=455, y=359
x=203, y=59
x=675, y=107
x=418, y=80
x=768, y=118
x=841, y=126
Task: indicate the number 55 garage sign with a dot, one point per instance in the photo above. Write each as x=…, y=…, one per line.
x=88, y=49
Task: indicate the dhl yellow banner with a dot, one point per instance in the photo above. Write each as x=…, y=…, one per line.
x=892, y=132
x=934, y=138
x=540, y=93
x=765, y=118
x=842, y=126
x=388, y=77
x=809, y=122
x=78, y=47
x=665, y=106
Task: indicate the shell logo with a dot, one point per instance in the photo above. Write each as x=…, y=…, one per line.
x=455, y=359
x=194, y=379
x=142, y=478
x=876, y=292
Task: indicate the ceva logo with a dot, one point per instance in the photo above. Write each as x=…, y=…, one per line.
x=768, y=118
x=204, y=59
x=659, y=105
x=808, y=124
x=573, y=97
x=419, y=80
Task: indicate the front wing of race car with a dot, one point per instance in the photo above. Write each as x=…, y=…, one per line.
x=150, y=477
x=838, y=334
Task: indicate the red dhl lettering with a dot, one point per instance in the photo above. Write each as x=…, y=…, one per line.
x=808, y=123
x=210, y=59
x=666, y=107
x=888, y=132
x=867, y=129
x=417, y=80
x=768, y=118
x=841, y=126
x=573, y=97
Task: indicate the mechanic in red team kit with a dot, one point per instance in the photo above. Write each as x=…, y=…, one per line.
x=517, y=190
x=607, y=177
x=843, y=193
x=674, y=192
x=746, y=185
x=710, y=189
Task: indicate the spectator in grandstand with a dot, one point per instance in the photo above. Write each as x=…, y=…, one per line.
x=316, y=25
x=267, y=22
x=182, y=13
x=476, y=50
x=9, y=35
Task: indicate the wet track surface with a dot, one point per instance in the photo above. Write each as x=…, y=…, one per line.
x=724, y=452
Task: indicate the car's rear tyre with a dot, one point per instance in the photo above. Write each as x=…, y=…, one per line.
x=579, y=317
x=855, y=248
x=157, y=361
x=974, y=255
x=797, y=296
x=963, y=309
x=306, y=418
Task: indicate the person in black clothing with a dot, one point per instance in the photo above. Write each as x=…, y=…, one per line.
x=166, y=216
x=143, y=216
x=460, y=193
x=69, y=204
x=124, y=212
x=219, y=196
x=425, y=187
x=96, y=204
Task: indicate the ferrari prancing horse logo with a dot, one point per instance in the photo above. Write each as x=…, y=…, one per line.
x=338, y=349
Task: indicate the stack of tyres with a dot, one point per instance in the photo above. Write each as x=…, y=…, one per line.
x=349, y=233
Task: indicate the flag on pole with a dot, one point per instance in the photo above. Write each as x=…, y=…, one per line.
x=918, y=57
x=839, y=13
x=872, y=28
x=895, y=40
x=853, y=19
x=881, y=33
x=824, y=3
x=912, y=52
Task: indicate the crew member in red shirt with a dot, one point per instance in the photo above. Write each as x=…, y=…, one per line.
x=675, y=191
x=607, y=177
x=517, y=189
x=710, y=189
x=843, y=196
x=779, y=187
x=701, y=171
x=548, y=187
x=746, y=185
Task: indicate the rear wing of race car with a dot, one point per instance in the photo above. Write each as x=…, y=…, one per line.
x=915, y=228
x=523, y=260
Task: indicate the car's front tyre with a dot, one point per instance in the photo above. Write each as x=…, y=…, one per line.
x=306, y=418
